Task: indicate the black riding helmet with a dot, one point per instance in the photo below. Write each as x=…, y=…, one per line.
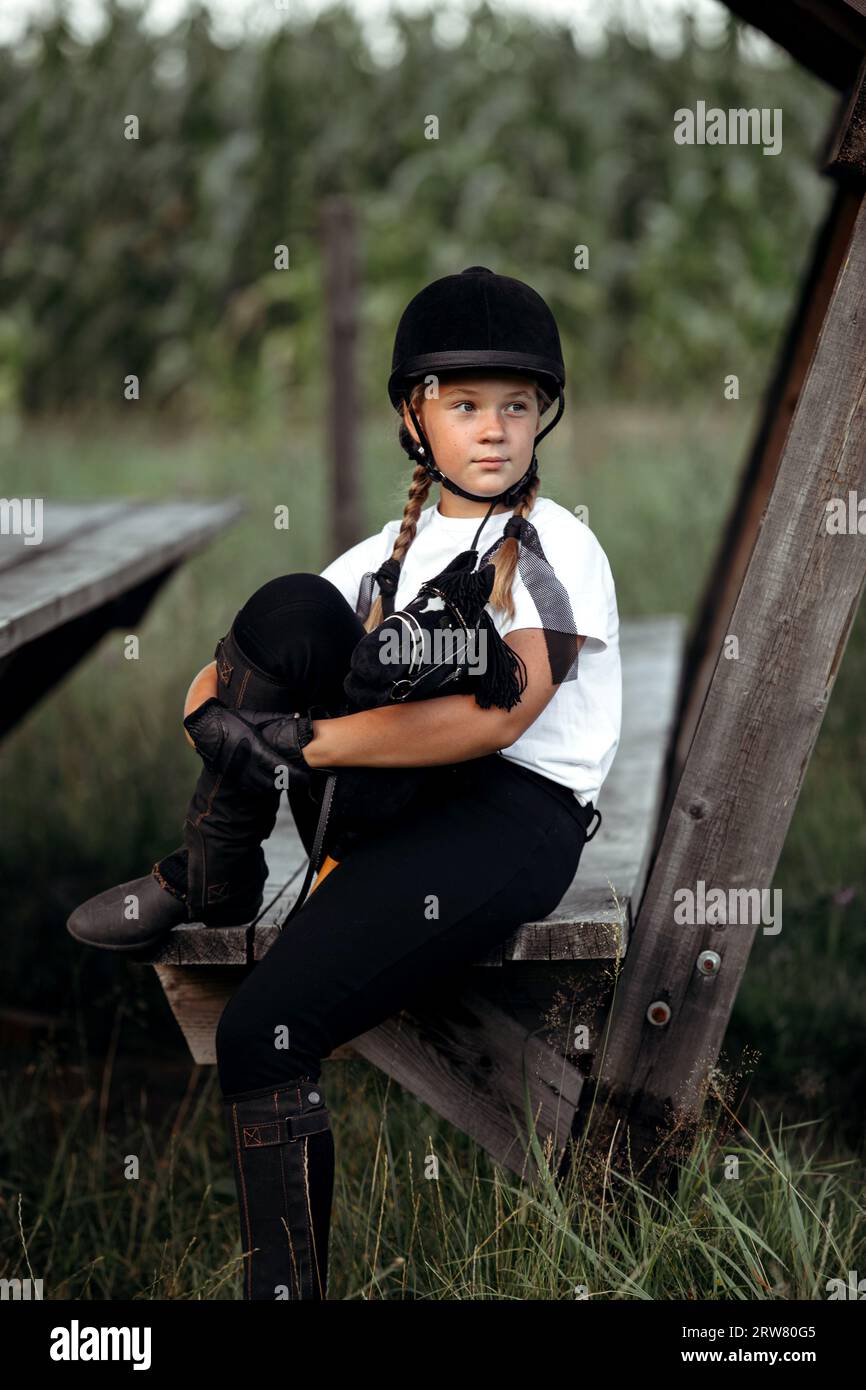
x=476, y=320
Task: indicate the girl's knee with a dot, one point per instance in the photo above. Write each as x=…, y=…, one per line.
x=294, y=588
x=300, y=629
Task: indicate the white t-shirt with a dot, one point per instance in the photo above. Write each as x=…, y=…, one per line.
x=574, y=738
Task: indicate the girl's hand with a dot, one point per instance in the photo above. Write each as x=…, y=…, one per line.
x=251, y=751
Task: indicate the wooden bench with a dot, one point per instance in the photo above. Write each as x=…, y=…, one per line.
x=463, y=1052
x=97, y=566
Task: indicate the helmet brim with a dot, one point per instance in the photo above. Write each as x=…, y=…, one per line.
x=550, y=375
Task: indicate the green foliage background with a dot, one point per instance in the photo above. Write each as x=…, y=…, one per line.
x=155, y=256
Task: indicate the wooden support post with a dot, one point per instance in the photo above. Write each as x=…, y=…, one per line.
x=342, y=280
x=744, y=770
x=844, y=161
x=825, y=36
x=846, y=149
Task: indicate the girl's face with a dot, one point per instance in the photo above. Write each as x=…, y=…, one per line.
x=481, y=427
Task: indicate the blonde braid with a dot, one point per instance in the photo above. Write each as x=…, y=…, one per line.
x=418, y=490
x=505, y=559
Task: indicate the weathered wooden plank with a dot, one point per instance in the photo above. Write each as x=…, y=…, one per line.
x=60, y=522
x=50, y=587
x=592, y=921
x=732, y=556
x=197, y=998
x=757, y=729
x=843, y=160
x=466, y=1058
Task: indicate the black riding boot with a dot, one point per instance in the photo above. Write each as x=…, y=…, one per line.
x=283, y=1158
x=218, y=875
x=220, y=872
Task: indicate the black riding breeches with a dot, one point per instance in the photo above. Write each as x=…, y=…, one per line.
x=487, y=847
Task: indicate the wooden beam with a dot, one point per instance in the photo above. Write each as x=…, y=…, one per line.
x=744, y=519
x=752, y=745
x=824, y=36
x=340, y=258
x=470, y=1060
x=845, y=155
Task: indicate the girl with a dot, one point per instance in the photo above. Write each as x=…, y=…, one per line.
x=495, y=834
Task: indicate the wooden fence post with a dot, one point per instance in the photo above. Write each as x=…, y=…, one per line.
x=342, y=292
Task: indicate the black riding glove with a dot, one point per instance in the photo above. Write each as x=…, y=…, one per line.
x=250, y=749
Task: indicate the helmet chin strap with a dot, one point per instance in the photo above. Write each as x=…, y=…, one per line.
x=424, y=456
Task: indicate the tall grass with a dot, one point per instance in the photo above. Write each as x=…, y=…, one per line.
x=757, y=1211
